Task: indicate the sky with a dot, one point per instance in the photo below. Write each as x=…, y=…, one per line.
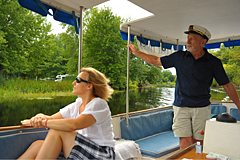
x=122, y=8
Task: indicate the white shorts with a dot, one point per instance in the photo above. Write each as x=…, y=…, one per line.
x=189, y=122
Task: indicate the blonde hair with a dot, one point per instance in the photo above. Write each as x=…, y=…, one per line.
x=100, y=83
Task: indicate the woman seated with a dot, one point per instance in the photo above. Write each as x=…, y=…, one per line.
x=81, y=130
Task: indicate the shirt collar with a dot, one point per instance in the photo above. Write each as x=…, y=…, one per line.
x=205, y=56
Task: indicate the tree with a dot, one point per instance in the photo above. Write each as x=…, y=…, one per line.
x=166, y=73
x=231, y=62
x=153, y=74
x=3, y=52
x=103, y=46
x=25, y=40
x=171, y=78
x=55, y=62
x=167, y=76
x=138, y=70
x=165, y=79
x=70, y=41
x=29, y=51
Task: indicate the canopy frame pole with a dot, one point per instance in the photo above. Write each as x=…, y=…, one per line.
x=80, y=42
x=177, y=44
x=128, y=64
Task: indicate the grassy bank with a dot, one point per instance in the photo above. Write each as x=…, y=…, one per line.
x=21, y=89
x=27, y=89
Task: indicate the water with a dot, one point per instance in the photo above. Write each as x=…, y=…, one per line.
x=11, y=113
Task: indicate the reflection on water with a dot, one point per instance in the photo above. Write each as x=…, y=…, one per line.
x=11, y=113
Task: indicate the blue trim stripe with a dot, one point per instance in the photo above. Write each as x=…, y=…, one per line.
x=124, y=36
x=154, y=43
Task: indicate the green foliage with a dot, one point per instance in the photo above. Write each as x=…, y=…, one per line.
x=166, y=73
x=138, y=69
x=70, y=49
x=103, y=47
x=171, y=78
x=153, y=74
x=17, y=88
x=230, y=58
x=23, y=41
x=56, y=62
x=31, y=86
x=167, y=76
x=29, y=51
x=2, y=80
x=70, y=78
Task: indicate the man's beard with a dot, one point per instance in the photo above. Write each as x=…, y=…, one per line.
x=192, y=49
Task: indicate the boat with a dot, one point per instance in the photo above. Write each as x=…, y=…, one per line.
x=161, y=33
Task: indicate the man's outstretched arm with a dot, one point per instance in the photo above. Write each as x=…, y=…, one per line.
x=154, y=60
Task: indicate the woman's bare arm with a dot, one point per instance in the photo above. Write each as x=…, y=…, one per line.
x=83, y=121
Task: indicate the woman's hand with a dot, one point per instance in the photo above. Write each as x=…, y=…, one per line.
x=26, y=122
x=35, y=121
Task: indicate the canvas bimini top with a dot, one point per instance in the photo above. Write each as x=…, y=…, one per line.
x=66, y=11
x=172, y=17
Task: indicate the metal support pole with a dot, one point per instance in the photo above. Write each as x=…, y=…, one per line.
x=80, y=42
x=177, y=44
x=128, y=63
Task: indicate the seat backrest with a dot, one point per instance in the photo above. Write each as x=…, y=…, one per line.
x=235, y=113
x=146, y=125
x=14, y=142
x=218, y=109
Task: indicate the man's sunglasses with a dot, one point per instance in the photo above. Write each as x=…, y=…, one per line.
x=79, y=80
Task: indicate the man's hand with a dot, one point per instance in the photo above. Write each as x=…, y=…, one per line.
x=132, y=48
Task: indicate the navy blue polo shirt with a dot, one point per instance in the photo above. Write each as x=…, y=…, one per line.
x=194, y=77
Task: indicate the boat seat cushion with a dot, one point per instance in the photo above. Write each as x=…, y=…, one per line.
x=159, y=144
x=235, y=113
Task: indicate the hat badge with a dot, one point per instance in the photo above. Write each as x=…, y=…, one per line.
x=190, y=27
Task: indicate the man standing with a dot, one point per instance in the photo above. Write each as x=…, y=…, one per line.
x=195, y=69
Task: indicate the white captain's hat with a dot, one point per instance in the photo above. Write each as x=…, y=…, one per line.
x=199, y=30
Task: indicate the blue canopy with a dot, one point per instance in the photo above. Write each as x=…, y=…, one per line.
x=63, y=11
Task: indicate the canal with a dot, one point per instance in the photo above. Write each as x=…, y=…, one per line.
x=12, y=112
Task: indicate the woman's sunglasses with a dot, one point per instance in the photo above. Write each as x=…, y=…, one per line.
x=79, y=80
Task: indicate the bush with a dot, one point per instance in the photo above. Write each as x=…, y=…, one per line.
x=2, y=80
x=70, y=78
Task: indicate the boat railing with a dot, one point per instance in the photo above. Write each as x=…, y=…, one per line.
x=13, y=128
x=228, y=104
